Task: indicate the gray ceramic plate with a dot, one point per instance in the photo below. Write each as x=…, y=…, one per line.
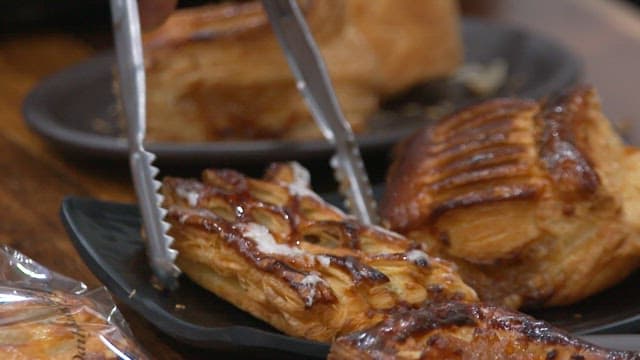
x=74, y=109
x=107, y=236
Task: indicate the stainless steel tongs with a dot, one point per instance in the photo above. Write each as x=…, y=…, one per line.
x=313, y=82
x=126, y=25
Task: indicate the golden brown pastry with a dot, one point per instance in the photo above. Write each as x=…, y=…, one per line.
x=411, y=41
x=57, y=326
x=457, y=330
x=217, y=72
x=535, y=202
x=273, y=248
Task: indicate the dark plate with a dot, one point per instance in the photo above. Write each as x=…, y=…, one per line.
x=107, y=236
x=64, y=107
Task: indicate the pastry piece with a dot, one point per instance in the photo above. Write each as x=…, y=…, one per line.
x=411, y=41
x=57, y=326
x=457, y=330
x=275, y=249
x=535, y=202
x=218, y=72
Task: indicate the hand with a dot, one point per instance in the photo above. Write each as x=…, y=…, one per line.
x=154, y=12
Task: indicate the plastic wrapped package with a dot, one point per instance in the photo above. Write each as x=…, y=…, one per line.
x=45, y=315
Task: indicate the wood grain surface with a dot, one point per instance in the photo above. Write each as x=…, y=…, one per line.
x=35, y=177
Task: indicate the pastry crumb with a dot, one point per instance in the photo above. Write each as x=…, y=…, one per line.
x=483, y=79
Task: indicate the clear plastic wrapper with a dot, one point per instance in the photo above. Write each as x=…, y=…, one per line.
x=45, y=315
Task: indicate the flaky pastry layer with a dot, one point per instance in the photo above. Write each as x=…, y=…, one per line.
x=217, y=72
x=275, y=249
x=535, y=201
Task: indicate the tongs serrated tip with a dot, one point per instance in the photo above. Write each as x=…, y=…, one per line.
x=352, y=201
x=126, y=25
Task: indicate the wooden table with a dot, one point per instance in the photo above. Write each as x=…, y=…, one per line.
x=35, y=178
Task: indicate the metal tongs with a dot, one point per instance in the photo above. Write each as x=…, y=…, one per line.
x=126, y=25
x=313, y=82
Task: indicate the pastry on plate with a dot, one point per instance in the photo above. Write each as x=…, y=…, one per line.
x=275, y=249
x=58, y=326
x=457, y=330
x=536, y=202
x=217, y=72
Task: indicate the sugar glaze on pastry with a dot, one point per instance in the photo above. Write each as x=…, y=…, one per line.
x=458, y=330
x=217, y=71
x=275, y=249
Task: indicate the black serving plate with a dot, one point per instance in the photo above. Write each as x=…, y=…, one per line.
x=107, y=236
x=67, y=107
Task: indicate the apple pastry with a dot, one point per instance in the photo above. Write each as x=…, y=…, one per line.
x=536, y=202
x=457, y=330
x=217, y=72
x=275, y=249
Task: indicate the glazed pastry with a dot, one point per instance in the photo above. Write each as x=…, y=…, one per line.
x=218, y=72
x=58, y=326
x=457, y=330
x=275, y=249
x=535, y=202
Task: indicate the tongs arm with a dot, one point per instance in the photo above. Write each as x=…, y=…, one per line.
x=313, y=82
x=128, y=42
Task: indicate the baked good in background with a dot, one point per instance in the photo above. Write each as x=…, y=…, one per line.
x=275, y=249
x=536, y=202
x=457, y=330
x=59, y=326
x=217, y=72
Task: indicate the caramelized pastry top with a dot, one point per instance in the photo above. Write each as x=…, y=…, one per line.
x=493, y=152
x=282, y=227
x=466, y=331
x=438, y=169
x=522, y=195
x=274, y=248
x=564, y=152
